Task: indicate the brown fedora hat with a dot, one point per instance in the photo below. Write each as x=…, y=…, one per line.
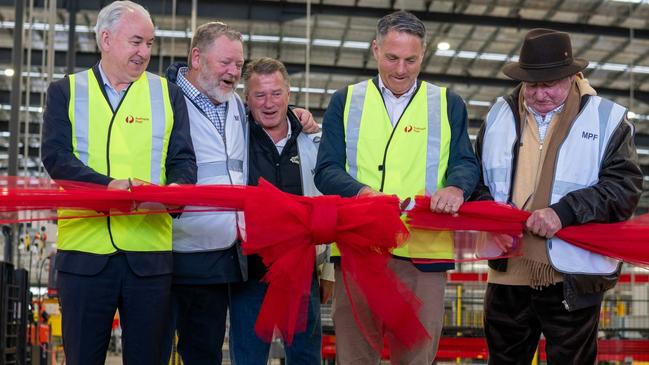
x=546, y=55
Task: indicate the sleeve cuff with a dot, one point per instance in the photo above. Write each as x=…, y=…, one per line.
x=565, y=213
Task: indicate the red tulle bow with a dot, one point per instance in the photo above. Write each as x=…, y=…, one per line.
x=283, y=229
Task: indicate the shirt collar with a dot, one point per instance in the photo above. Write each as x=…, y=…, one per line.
x=188, y=88
x=282, y=142
x=386, y=91
x=548, y=115
x=106, y=82
x=192, y=92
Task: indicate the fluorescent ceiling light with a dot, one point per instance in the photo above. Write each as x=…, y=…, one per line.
x=480, y=103
x=357, y=45
x=10, y=72
x=327, y=43
x=32, y=109
x=294, y=40
x=493, y=57
x=443, y=46
x=264, y=38
x=445, y=53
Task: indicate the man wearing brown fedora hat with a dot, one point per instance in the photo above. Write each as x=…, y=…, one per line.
x=555, y=148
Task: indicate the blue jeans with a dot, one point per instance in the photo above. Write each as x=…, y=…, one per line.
x=248, y=349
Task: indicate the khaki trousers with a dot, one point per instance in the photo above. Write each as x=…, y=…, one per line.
x=352, y=348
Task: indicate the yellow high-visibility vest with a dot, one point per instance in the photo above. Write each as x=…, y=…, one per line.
x=130, y=142
x=408, y=159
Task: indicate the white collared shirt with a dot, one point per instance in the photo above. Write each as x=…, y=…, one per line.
x=395, y=105
x=282, y=142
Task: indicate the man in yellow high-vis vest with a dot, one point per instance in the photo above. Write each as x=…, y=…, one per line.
x=116, y=125
x=395, y=134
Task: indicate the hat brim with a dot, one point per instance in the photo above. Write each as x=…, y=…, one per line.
x=514, y=71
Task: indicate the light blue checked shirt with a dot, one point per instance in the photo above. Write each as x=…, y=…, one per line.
x=544, y=122
x=215, y=113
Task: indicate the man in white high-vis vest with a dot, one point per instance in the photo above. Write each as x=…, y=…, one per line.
x=554, y=148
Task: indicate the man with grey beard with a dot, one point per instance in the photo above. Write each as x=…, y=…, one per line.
x=206, y=246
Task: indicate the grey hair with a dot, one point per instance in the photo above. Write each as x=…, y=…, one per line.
x=207, y=33
x=264, y=66
x=110, y=15
x=401, y=21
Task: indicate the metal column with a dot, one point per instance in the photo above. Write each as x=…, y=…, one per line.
x=72, y=35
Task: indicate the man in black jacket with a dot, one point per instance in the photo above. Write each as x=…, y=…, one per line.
x=281, y=153
x=116, y=125
x=556, y=149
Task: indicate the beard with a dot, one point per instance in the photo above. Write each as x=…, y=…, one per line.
x=210, y=84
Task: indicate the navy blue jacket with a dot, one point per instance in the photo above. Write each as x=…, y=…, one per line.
x=61, y=163
x=332, y=178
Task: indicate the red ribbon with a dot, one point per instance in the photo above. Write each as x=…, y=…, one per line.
x=283, y=229
x=626, y=241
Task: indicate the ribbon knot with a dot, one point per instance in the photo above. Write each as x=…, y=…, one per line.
x=324, y=219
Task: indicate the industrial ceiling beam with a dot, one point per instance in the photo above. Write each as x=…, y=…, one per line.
x=267, y=10
x=453, y=79
x=87, y=59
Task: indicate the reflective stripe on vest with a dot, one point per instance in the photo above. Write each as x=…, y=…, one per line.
x=131, y=142
x=219, y=168
x=578, y=166
x=408, y=159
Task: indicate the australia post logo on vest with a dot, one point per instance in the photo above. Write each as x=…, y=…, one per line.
x=131, y=119
x=410, y=129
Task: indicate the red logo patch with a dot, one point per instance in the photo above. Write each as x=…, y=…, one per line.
x=410, y=128
x=129, y=119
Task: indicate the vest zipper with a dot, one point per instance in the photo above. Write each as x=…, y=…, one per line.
x=227, y=156
x=382, y=167
x=110, y=130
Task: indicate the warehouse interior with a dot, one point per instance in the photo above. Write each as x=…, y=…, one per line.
x=325, y=46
